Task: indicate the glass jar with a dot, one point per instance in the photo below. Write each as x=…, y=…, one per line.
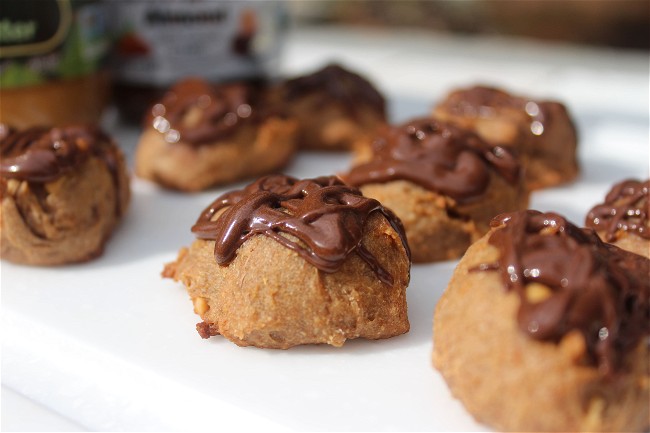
x=159, y=43
x=53, y=62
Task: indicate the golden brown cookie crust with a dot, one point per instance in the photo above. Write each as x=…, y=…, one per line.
x=431, y=232
x=514, y=383
x=64, y=221
x=253, y=150
x=269, y=296
x=437, y=227
x=630, y=242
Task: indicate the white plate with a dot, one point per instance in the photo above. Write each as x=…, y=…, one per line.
x=112, y=345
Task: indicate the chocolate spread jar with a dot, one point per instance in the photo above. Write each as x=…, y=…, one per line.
x=159, y=43
x=53, y=61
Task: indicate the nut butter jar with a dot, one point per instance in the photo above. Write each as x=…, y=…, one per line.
x=53, y=62
x=159, y=43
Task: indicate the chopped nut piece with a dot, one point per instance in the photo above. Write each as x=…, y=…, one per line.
x=573, y=345
x=82, y=144
x=193, y=117
x=536, y=292
x=548, y=230
x=594, y=418
x=440, y=202
x=201, y=305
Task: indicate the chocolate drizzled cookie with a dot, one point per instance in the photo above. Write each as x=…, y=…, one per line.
x=626, y=209
x=544, y=327
x=285, y=262
x=541, y=131
x=334, y=107
x=322, y=219
x=597, y=289
x=63, y=190
x=444, y=182
x=197, y=112
x=351, y=91
x=41, y=154
x=201, y=134
x=438, y=157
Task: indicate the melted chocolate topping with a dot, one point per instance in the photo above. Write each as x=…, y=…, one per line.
x=438, y=157
x=626, y=209
x=40, y=155
x=595, y=288
x=480, y=101
x=196, y=112
x=347, y=88
x=321, y=219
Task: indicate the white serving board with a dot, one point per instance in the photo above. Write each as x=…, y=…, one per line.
x=112, y=346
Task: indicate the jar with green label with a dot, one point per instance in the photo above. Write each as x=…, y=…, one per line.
x=53, y=56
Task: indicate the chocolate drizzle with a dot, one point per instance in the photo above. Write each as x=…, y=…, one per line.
x=438, y=157
x=350, y=90
x=595, y=288
x=321, y=219
x=40, y=155
x=196, y=112
x=626, y=209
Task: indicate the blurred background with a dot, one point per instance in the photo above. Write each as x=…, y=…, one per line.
x=613, y=23
x=67, y=60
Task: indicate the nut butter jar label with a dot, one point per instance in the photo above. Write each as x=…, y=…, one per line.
x=159, y=43
x=45, y=40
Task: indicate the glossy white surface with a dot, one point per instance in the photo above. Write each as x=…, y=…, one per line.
x=19, y=414
x=112, y=346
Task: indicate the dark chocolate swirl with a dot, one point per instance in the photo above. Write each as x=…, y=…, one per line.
x=595, y=288
x=626, y=209
x=41, y=155
x=196, y=112
x=437, y=156
x=321, y=219
x=350, y=90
